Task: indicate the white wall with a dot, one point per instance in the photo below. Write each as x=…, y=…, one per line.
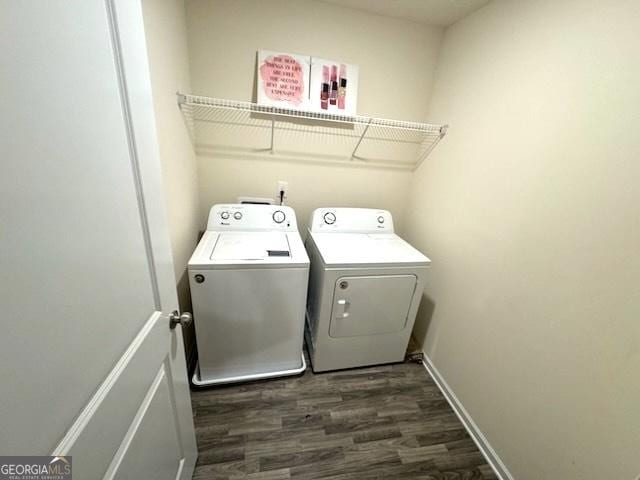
x=165, y=29
x=396, y=60
x=530, y=211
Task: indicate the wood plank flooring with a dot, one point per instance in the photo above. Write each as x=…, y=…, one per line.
x=388, y=422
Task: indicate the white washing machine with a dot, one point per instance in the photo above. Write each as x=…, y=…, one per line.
x=365, y=287
x=248, y=279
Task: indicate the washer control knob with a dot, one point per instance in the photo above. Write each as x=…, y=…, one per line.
x=279, y=216
x=224, y=215
x=237, y=215
x=380, y=219
x=329, y=218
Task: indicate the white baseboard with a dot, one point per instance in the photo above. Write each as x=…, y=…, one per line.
x=480, y=440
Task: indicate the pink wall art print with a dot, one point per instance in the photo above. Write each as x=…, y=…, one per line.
x=333, y=87
x=283, y=80
x=301, y=82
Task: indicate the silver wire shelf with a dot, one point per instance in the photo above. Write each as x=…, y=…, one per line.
x=230, y=127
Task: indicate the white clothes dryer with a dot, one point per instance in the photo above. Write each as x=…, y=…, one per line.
x=365, y=286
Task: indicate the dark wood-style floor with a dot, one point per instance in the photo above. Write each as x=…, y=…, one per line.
x=388, y=422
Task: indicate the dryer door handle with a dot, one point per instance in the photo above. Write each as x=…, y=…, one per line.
x=345, y=308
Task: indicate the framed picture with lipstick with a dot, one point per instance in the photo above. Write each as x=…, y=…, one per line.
x=333, y=87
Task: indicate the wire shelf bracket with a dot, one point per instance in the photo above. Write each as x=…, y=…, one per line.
x=364, y=132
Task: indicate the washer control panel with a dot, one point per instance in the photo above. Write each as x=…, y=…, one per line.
x=351, y=220
x=252, y=217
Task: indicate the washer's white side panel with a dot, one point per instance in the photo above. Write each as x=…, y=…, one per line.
x=248, y=321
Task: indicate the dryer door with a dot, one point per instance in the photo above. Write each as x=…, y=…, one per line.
x=371, y=305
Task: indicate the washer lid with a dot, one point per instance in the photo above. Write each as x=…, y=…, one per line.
x=232, y=250
x=250, y=246
x=359, y=249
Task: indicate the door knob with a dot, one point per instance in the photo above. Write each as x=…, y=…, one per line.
x=175, y=318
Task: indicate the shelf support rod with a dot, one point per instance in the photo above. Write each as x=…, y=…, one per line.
x=273, y=121
x=425, y=154
x=364, y=132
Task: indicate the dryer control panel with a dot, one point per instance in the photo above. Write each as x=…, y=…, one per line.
x=248, y=218
x=351, y=220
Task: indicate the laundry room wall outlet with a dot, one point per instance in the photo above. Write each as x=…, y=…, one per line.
x=284, y=188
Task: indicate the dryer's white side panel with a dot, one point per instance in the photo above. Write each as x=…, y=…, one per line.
x=314, y=295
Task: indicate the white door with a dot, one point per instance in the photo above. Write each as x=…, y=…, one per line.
x=90, y=367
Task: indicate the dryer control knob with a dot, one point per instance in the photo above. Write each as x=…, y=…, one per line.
x=224, y=215
x=380, y=219
x=279, y=216
x=237, y=215
x=329, y=218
